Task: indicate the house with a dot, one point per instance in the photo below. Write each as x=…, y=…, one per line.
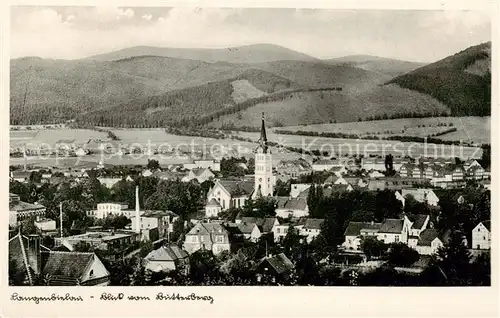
x=337, y=188
x=334, y=179
x=326, y=165
x=481, y=236
x=32, y=261
x=167, y=258
x=293, y=168
x=422, y=195
x=250, y=231
x=199, y=174
x=394, y=231
x=266, y=225
x=109, y=182
x=147, y=173
x=311, y=228
x=74, y=269
x=207, y=236
x=280, y=231
x=369, y=164
x=475, y=173
x=471, y=163
x=19, y=210
x=231, y=193
x=392, y=183
x=20, y=176
x=419, y=223
x=297, y=188
x=110, y=240
x=163, y=221
x=429, y=242
x=110, y=208
x=274, y=268
x=339, y=171
x=294, y=207
x=213, y=208
x=355, y=231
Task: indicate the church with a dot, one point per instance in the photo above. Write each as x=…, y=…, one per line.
x=228, y=193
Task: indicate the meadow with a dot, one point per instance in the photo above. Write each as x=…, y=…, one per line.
x=341, y=147
x=469, y=129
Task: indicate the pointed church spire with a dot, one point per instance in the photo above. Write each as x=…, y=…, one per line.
x=263, y=136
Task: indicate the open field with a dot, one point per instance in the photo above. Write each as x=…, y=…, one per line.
x=35, y=138
x=469, y=129
x=368, y=147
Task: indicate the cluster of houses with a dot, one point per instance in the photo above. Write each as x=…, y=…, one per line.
x=212, y=233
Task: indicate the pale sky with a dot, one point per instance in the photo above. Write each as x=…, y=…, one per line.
x=76, y=32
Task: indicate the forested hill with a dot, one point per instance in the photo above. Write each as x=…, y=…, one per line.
x=461, y=81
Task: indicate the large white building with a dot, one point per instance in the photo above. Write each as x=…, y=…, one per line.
x=264, y=178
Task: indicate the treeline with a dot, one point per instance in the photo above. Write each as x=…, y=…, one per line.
x=405, y=115
x=395, y=138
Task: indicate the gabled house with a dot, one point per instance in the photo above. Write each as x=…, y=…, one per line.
x=337, y=188
x=167, y=258
x=275, y=268
x=231, y=193
x=475, y=172
x=250, y=231
x=311, y=228
x=207, y=236
x=266, y=225
x=394, y=230
x=422, y=195
x=74, y=269
x=36, y=264
x=288, y=206
x=293, y=168
x=280, y=231
x=355, y=232
x=199, y=174
x=429, y=242
x=481, y=236
x=297, y=188
x=213, y=208
x=471, y=163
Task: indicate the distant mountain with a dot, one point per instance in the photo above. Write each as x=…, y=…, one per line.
x=59, y=89
x=152, y=90
x=461, y=81
x=391, y=67
x=256, y=53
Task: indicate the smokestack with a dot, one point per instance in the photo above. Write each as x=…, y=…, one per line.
x=137, y=211
x=25, y=159
x=61, y=218
x=33, y=253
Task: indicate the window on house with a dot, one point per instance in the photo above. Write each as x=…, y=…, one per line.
x=219, y=239
x=396, y=238
x=91, y=273
x=194, y=239
x=277, y=230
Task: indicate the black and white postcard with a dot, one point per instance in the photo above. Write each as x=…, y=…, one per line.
x=208, y=159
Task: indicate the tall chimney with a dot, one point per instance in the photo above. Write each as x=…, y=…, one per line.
x=137, y=211
x=61, y=218
x=25, y=159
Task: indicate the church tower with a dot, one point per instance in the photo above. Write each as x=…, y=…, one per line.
x=264, y=179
